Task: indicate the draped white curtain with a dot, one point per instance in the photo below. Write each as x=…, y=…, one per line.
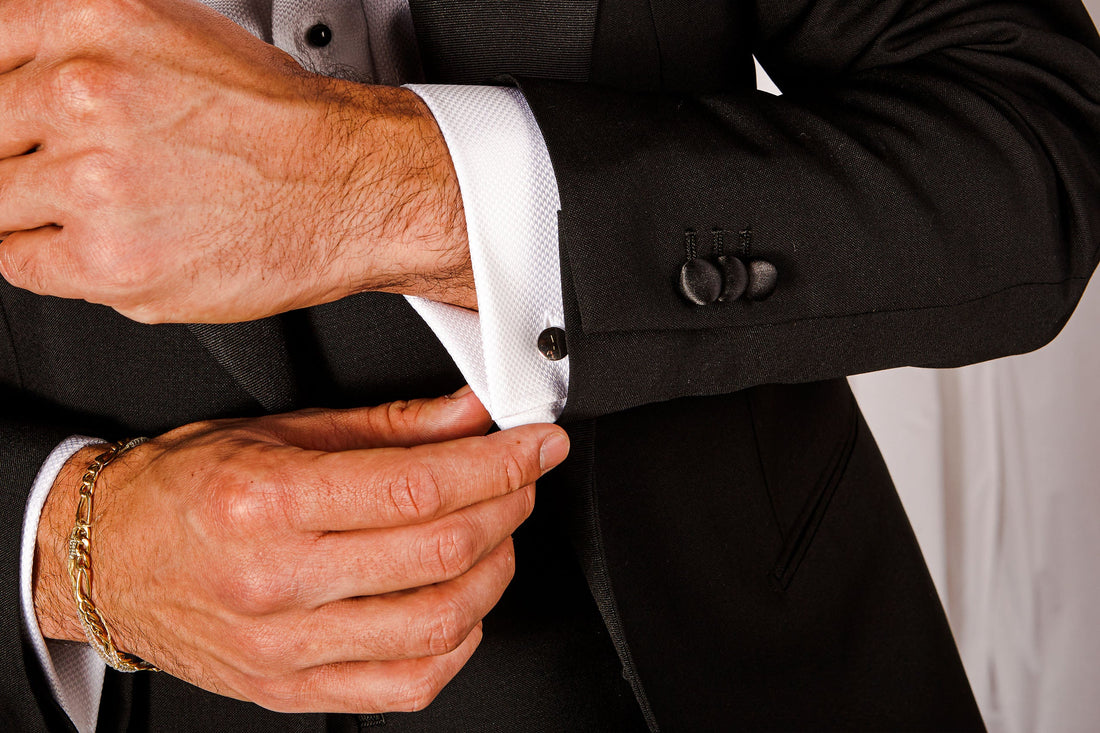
x=998, y=465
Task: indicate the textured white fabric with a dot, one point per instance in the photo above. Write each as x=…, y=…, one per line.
x=74, y=670
x=511, y=199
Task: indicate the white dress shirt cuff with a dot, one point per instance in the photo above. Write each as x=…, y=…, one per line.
x=73, y=669
x=510, y=197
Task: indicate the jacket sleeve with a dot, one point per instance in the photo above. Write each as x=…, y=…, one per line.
x=928, y=188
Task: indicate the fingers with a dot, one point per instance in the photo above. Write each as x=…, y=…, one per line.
x=22, y=34
x=28, y=193
x=371, y=687
x=21, y=123
x=21, y=255
x=373, y=562
x=34, y=255
x=396, y=424
x=400, y=486
x=428, y=621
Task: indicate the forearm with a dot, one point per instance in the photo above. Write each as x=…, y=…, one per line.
x=403, y=228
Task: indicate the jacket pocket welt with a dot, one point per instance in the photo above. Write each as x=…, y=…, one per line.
x=804, y=530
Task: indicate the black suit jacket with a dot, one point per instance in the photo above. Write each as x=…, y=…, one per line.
x=927, y=188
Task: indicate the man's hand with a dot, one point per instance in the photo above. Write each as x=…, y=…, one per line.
x=308, y=561
x=156, y=158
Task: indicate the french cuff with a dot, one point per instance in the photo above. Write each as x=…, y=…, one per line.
x=512, y=351
x=73, y=669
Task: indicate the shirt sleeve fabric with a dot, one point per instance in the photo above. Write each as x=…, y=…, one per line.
x=73, y=669
x=510, y=197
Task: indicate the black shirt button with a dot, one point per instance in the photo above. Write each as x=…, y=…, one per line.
x=700, y=281
x=319, y=36
x=762, y=280
x=552, y=344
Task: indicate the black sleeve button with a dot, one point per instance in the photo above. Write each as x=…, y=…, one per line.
x=734, y=276
x=700, y=281
x=763, y=277
x=319, y=36
x=552, y=344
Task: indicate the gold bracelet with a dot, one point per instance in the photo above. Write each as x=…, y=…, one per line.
x=80, y=568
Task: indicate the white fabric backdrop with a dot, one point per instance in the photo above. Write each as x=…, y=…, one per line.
x=997, y=465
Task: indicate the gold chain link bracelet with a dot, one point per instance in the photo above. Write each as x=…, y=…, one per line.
x=80, y=567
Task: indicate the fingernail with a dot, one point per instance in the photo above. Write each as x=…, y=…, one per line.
x=466, y=389
x=553, y=451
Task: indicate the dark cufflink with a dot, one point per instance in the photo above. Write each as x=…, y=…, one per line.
x=552, y=344
x=762, y=278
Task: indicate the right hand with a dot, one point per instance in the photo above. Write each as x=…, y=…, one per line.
x=130, y=177
x=324, y=560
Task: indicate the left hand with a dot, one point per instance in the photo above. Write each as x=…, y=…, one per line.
x=156, y=158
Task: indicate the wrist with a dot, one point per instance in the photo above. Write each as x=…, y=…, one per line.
x=406, y=229
x=54, y=605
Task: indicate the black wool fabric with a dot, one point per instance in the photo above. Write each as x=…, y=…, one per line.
x=723, y=550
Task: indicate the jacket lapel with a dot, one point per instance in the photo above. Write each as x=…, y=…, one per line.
x=475, y=41
x=255, y=355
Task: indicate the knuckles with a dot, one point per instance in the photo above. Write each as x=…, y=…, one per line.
x=101, y=22
x=395, y=416
x=449, y=551
x=244, y=505
x=527, y=496
x=514, y=469
x=250, y=515
x=269, y=649
x=445, y=628
x=414, y=493
x=97, y=179
x=82, y=89
x=291, y=694
x=335, y=688
x=416, y=693
x=253, y=586
x=21, y=269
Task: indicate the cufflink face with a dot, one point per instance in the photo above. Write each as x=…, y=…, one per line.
x=552, y=344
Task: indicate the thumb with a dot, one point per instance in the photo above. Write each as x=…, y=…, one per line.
x=404, y=423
